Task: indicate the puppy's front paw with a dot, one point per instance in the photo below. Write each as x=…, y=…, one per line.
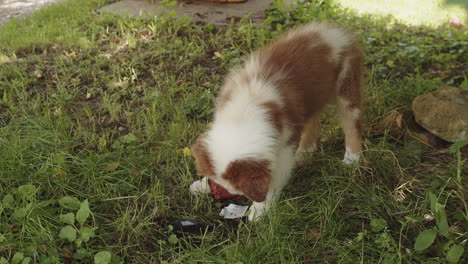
x=201, y=186
x=256, y=211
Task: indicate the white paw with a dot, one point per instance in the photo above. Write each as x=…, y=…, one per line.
x=351, y=158
x=256, y=211
x=201, y=186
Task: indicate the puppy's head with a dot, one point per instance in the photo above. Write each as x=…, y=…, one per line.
x=247, y=176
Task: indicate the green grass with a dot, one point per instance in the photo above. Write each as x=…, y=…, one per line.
x=108, y=121
x=64, y=23
x=415, y=12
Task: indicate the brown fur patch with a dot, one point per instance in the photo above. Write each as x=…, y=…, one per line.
x=358, y=125
x=202, y=158
x=252, y=177
x=351, y=84
x=311, y=133
x=275, y=114
x=311, y=77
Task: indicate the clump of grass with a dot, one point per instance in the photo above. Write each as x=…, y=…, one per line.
x=64, y=24
x=107, y=123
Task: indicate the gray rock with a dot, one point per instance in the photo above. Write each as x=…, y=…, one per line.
x=444, y=113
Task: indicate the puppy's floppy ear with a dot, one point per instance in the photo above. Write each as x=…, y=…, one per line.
x=250, y=176
x=202, y=158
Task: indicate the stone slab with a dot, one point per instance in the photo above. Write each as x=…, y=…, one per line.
x=200, y=11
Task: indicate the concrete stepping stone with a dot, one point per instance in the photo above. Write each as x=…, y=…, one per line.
x=200, y=11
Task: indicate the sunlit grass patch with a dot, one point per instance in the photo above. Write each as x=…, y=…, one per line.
x=65, y=23
x=415, y=12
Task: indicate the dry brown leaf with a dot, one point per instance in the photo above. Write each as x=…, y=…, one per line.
x=314, y=234
x=217, y=54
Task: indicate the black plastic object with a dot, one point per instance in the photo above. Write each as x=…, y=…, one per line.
x=188, y=226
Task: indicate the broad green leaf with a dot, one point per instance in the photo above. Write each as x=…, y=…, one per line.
x=441, y=220
x=425, y=239
x=26, y=191
x=68, y=233
x=78, y=242
x=2, y=238
x=390, y=64
x=8, y=199
x=83, y=212
x=68, y=218
x=26, y=260
x=458, y=145
x=86, y=233
x=103, y=257
x=70, y=203
x=454, y=253
x=378, y=224
x=173, y=239
x=3, y=260
x=17, y=258
x=116, y=259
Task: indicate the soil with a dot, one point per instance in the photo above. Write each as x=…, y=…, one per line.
x=200, y=11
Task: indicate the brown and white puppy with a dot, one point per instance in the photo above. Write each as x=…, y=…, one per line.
x=268, y=112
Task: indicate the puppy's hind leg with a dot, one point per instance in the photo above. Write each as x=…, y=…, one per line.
x=350, y=117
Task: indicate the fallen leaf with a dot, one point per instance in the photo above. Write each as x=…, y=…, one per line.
x=428, y=217
x=66, y=253
x=217, y=54
x=37, y=73
x=314, y=234
x=399, y=120
x=72, y=55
